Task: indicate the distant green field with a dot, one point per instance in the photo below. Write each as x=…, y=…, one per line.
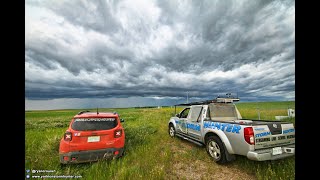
x=150, y=152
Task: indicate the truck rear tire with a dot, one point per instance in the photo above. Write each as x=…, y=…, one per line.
x=216, y=150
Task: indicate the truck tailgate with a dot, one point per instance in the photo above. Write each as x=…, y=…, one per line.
x=273, y=135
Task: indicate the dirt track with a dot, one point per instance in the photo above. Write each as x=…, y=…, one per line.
x=199, y=168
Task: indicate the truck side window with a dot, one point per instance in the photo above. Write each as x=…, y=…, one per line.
x=195, y=113
x=184, y=113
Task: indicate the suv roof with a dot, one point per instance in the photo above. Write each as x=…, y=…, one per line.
x=86, y=114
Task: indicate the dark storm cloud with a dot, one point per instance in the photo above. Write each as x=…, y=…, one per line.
x=90, y=49
x=230, y=34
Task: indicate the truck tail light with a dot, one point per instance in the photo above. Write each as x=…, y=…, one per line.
x=118, y=133
x=67, y=136
x=249, y=135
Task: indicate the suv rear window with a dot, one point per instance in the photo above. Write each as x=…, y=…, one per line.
x=91, y=124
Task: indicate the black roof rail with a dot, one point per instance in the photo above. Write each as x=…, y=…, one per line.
x=197, y=103
x=81, y=112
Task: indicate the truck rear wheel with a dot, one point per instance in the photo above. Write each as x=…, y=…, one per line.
x=216, y=150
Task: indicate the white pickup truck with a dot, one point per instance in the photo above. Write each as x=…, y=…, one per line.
x=218, y=125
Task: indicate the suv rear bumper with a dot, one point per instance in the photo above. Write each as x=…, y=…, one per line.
x=266, y=154
x=91, y=155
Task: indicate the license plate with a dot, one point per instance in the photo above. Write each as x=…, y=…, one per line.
x=276, y=151
x=93, y=138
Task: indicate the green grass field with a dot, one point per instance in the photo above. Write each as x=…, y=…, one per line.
x=150, y=152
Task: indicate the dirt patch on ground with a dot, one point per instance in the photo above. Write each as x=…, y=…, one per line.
x=200, y=170
x=193, y=167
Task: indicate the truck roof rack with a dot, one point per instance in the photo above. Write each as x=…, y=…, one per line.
x=217, y=100
x=197, y=103
x=81, y=112
x=227, y=99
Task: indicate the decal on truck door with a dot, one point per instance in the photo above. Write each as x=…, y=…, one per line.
x=193, y=122
x=195, y=127
x=181, y=123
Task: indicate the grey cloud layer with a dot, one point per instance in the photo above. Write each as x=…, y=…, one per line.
x=80, y=49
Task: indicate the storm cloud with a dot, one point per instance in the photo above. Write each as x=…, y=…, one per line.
x=159, y=49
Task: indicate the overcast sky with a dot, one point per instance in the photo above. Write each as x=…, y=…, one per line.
x=84, y=54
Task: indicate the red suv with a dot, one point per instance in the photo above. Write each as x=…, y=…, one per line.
x=92, y=136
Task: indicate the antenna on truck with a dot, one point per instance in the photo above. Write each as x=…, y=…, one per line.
x=97, y=111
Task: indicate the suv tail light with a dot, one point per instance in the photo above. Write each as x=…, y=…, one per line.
x=67, y=136
x=118, y=133
x=249, y=135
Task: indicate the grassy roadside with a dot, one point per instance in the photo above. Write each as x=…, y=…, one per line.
x=150, y=152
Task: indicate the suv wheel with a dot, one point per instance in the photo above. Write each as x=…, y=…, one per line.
x=216, y=150
x=172, y=131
